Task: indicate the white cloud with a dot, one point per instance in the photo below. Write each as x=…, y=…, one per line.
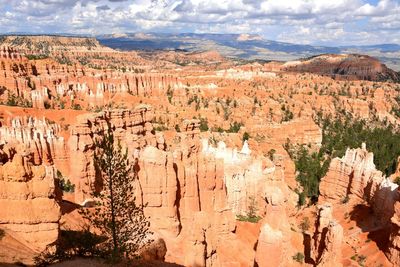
x=306, y=21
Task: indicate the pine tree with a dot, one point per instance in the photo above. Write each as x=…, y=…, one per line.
x=121, y=222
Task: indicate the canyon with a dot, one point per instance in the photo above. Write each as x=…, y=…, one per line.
x=209, y=138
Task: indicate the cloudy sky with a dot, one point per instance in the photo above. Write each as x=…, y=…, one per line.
x=321, y=22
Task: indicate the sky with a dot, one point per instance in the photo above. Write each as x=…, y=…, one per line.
x=316, y=22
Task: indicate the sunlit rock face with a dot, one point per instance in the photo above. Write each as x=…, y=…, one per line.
x=355, y=177
x=39, y=135
x=29, y=211
x=393, y=252
x=133, y=128
x=326, y=246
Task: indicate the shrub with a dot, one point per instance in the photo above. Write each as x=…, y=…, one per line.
x=227, y=112
x=203, y=125
x=217, y=129
x=246, y=136
x=287, y=114
x=271, y=154
x=360, y=259
x=71, y=244
x=235, y=127
x=192, y=99
x=76, y=106
x=299, y=257
x=251, y=215
x=12, y=100
x=305, y=224
x=47, y=105
x=160, y=128
x=36, y=57
x=396, y=112
x=170, y=94
x=302, y=198
x=2, y=234
x=65, y=184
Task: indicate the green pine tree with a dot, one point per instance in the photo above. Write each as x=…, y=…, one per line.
x=116, y=215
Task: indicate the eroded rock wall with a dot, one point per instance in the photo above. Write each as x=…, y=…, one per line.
x=191, y=197
x=326, y=246
x=393, y=252
x=132, y=127
x=28, y=208
x=355, y=178
x=40, y=136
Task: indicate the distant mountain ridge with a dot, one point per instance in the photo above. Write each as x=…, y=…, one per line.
x=246, y=46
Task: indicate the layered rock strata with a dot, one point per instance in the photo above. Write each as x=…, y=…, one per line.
x=28, y=208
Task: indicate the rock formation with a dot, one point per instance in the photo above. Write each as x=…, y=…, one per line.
x=393, y=252
x=133, y=127
x=355, y=175
x=191, y=193
x=38, y=135
x=187, y=203
x=355, y=178
x=354, y=67
x=326, y=246
x=29, y=211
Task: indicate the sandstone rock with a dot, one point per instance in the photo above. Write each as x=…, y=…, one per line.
x=159, y=188
x=132, y=127
x=154, y=251
x=270, y=247
x=393, y=252
x=29, y=210
x=39, y=136
x=346, y=67
x=327, y=241
x=355, y=175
